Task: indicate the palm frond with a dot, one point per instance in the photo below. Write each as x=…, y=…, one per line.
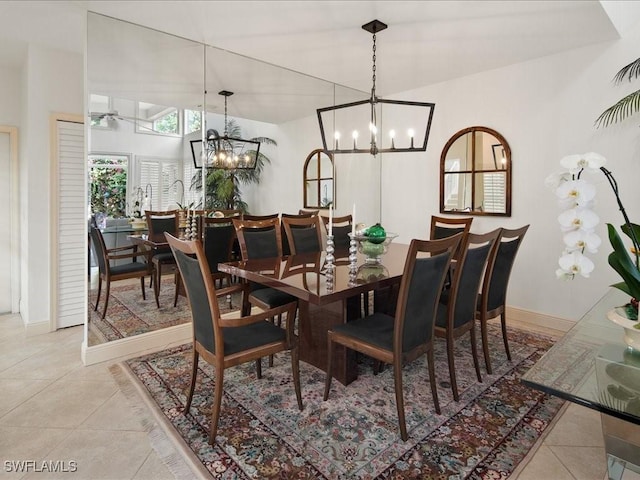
x=631, y=71
x=265, y=140
x=623, y=109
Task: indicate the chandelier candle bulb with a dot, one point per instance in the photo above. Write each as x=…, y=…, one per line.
x=355, y=139
x=411, y=133
x=392, y=135
x=337, y=137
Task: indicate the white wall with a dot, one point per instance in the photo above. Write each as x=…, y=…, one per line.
x=545, y=109
x=53, y=82
x=10, y=98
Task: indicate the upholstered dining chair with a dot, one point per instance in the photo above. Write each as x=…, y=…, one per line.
x=112, y=273
x=442, y=227
x=305, y=211
x=159, y=223
x=304, y=234
x=254, y=218
x=285, y=239
x=341, y=230
x=493, y=297
x=456, y=311
x=261, y=239
x=226, y=342
x=402, y=338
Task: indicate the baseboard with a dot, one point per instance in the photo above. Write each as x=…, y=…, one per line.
x=32, y=329
x=538, y=321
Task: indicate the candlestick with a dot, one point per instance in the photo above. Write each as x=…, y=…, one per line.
x=330, y=222
x=353, y=220
x=329, y=263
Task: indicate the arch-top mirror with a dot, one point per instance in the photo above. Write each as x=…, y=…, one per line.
x=319, y=185
x=475, y=173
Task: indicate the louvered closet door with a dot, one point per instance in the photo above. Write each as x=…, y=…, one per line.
x=71, y=228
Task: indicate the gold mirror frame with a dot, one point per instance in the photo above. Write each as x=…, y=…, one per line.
x=484, y=168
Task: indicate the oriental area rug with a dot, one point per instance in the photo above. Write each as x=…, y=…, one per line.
x=128, y=314
x=354, y=434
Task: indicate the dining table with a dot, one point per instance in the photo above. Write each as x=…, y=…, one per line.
x=324, y=302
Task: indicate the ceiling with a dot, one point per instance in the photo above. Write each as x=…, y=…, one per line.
x=427, y=41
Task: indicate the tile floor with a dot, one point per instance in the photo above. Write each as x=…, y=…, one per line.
x=52, y=408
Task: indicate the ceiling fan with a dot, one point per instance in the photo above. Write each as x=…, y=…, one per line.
x=112, y=116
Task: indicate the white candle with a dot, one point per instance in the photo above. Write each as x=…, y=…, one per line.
x=353, y=220
x=330, y=219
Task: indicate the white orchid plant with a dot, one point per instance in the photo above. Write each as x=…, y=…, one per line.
x=578, y=221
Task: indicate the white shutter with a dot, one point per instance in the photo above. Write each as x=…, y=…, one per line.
x=494, y=192
x=156, y=176
x=71, y=226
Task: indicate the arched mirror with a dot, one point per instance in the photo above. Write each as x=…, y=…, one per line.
x=319, y=185
x=475, y=173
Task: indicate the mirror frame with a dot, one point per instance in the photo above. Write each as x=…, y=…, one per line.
x=320, y=154
x=474, y=172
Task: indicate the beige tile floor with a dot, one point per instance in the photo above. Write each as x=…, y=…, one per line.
x=52, y=408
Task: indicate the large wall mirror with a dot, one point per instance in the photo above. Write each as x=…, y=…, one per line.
x=146, y=100
x=475, y=173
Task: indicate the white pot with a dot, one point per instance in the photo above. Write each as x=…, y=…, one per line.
x=631, y=333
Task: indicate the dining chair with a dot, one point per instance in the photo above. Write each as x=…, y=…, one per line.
x=402, y=338
x=254, y=218
x=285, y=239
x=112, y=273
x=229, y=341
x=260, y=239
x=341, y=230
x=312, y=211
x=457, y=307
x=159, y=223
x=303, y=233
x=444, y=226
x=493, y=297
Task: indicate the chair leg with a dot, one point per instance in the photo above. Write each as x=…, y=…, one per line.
x=327, y=382
x=397, y=373
x=217, y=402
x=99, y=290
x=432, y=380
x=295, y=368
x=474, y=351
x=106, y=298
x=259, y=368
x=144, y=297
x=178, y=282
x=277, y=322
x=194, y=372
x=156, y=283
x=503, y=321
x=452, y=369
x=485, y=343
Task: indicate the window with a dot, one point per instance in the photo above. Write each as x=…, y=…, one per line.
x=158, y=119
x=108, y=175
x=318, y=180
x=192, y=121
x=157, y=178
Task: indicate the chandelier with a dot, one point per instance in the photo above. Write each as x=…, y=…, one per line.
x=411, y=120
x=226, y=152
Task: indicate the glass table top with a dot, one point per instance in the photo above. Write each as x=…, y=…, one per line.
x=592, y=366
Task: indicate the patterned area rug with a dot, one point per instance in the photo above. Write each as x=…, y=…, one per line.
x=354, y=434
x=128, y=314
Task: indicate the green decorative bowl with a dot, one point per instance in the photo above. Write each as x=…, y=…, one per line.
x=373, y=249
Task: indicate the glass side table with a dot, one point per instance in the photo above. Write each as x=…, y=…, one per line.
x=592, y=366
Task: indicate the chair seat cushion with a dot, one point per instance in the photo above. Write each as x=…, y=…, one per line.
x=376, y=329
x=272, y=297
x=129, y=268
x=164, y=257
x=237, y=339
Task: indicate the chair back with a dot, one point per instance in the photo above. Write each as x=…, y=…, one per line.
x=259, y=238
x=420, y=289
x=161, y=222
x=218, y=235
x=303, y=234
x=201, y=292
x=469, y=272
x=341, y=230
x=304, y=211
x=100, y=248
x=499, y=266
x=442, y=227
x=271, y=216
x=286, y=250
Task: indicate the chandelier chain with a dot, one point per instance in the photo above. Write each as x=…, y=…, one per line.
x=373, y=89
x=225, y=117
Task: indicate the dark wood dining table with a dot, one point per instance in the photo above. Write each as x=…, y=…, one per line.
x=320, y=304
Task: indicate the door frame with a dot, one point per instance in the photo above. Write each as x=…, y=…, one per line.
x=14, y=215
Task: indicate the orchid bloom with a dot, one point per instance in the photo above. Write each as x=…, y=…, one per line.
x=579, y=240
x=574, y=193
x=578, y=219
x=575, y=163
x=572, y=264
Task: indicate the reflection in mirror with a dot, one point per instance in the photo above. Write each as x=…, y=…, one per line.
x=319, y=185
x=475, y=173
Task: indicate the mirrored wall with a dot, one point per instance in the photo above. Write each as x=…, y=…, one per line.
x=149, y=94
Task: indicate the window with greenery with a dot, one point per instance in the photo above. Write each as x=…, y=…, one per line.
x=158, y=119
x=192, y=121
x=108, y=184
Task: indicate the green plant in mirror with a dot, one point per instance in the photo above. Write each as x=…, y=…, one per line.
x=223, y=186
x=626, y=106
